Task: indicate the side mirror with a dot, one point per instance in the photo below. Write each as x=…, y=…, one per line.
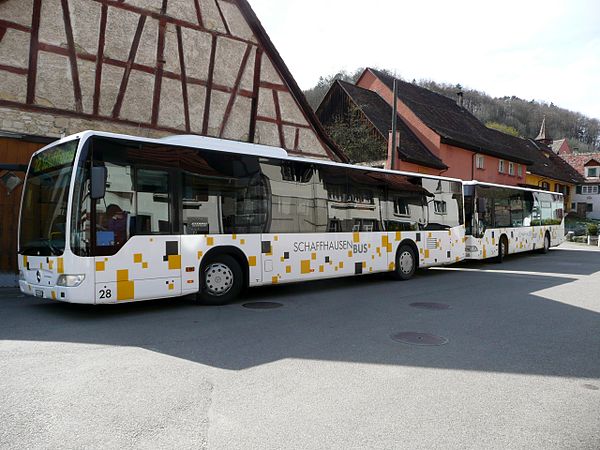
x=98, y=187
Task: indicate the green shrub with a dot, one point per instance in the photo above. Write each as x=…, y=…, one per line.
x=592, y=229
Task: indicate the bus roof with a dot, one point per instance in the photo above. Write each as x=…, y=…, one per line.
x=223, y=145
x=519, y=188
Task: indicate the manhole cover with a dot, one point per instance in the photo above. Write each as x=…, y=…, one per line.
x=591, y=387
x=411, y=337
x=430, y=305
x=262, y=305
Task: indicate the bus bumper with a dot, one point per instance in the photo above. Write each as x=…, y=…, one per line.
x=57, y=293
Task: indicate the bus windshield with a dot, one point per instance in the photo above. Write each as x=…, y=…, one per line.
x=45, y=199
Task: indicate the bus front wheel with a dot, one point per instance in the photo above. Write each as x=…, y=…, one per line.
x=222, y=281
x=406, y=263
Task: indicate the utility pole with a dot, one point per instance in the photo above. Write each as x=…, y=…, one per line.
x=394, y=126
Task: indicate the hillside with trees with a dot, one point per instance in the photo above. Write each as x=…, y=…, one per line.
x=509, y=114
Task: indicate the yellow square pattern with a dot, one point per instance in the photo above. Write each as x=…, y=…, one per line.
x=174, y=262
x=122, y=275
x=305, y=266
x=125, y=290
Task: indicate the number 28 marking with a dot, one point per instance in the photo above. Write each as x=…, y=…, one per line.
x=105, y=293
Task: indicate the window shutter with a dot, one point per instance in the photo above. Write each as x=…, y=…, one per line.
x=578, y=190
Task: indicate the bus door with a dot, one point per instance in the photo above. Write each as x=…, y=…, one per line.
x=138, y=252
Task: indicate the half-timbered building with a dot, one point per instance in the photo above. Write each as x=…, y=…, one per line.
x=143, y=67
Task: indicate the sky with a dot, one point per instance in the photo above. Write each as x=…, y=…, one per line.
x=544, y=50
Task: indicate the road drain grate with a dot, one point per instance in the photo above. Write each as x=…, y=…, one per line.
x=413, y=338
x=430, y=305
x=262, y=305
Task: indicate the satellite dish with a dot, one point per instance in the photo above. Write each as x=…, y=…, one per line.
x=10, y=180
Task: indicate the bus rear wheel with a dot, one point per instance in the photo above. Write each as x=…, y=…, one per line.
x=406, y=263
x=502, y=249
x=546, y=247
x=221, y=281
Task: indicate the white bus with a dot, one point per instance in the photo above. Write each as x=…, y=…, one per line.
x=109, y=218
x=502, y=220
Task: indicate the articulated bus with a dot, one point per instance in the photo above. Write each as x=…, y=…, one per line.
x=108, y=218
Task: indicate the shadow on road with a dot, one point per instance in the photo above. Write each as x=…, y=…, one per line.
x=497, y=322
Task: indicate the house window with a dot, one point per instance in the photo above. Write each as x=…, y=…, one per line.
x=545, y=185
x=520, y=170
x=480, y=161
x=591, y=172
x=590, y=189
x=401, y=207
x=501, y=166
x=590, y=207
x=573, y=206
x=440, y=207
x=511, y=168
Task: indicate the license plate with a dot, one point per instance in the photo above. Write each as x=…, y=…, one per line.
x=39, y=293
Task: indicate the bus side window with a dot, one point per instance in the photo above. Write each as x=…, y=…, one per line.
x=115, y=213
x=153, y=201
x=292, y=194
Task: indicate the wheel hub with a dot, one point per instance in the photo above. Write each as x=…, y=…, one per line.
x=218, y=279
x=406, y=262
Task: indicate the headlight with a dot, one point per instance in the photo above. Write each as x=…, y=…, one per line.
x=70, y=280
x=471, y=249
x=21, y=275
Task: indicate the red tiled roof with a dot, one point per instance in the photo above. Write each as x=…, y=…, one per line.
x=579, y=161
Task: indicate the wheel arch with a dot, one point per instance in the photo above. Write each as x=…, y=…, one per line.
x=229, y=250
x=412, y=244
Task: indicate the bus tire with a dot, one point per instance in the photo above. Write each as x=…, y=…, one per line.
x=546, y=247
x=222, y=280
x=502, y=249
x=406, y=263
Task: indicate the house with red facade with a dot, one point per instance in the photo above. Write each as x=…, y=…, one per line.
x=453, y=142
x=437, y=135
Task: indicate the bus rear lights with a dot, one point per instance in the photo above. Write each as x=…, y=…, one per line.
x=70, y=280
x=414, y=338
x=430, y=305
x=262, y=305
x=471, y=249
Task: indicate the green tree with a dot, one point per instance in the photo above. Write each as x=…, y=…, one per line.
x=506, y=129
x=357, y=138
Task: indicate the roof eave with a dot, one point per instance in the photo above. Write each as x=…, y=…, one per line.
x=295, y=90
x=485, y=151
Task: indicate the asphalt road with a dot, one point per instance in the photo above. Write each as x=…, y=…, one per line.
x=521, y=368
